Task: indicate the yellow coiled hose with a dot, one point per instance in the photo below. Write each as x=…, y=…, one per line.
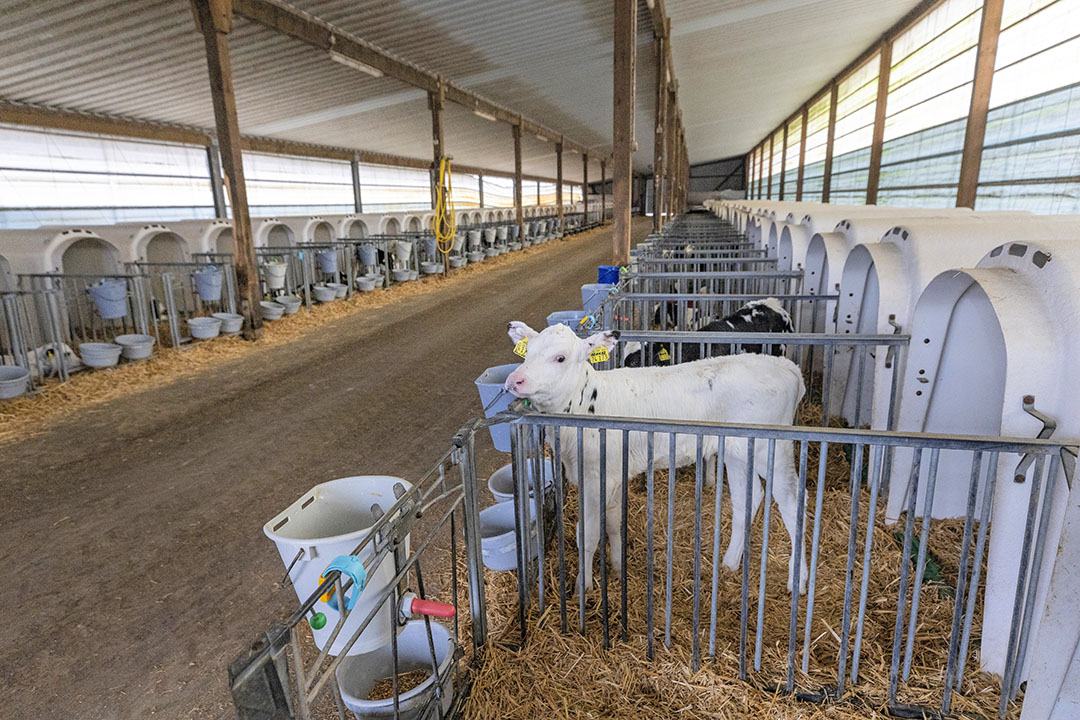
x=445, y=217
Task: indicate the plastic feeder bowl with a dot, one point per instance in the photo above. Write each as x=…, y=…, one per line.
x=14, y=381
x=135, y=347
x=457, y=261
x=364, y=284
x=475, y=257
x=501, y=482
x=271, y=310
x=324, y=293
x=100, y=355
x=231, y=322
x=291, y=303
x=204, y=328
x=358, y=674
x=593, y=296
x=498, y=543
x=340, y=289
x=431, y=268
x=401, y=276
x=494, y=400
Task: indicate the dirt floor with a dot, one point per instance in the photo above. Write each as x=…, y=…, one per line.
x=134, y=567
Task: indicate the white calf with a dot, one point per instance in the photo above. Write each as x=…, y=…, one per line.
x=556, y=377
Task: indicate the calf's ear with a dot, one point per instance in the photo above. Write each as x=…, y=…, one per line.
x=606, y=339
x=519, y=331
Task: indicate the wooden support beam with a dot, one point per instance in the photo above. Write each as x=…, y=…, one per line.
x=761, y=170
x=879, y=124
x=436, y=101
x=215, y=21
x=783, y=160
x=830, y=137
x=217, y=185
x=12, y=113
x=660, y=115
x=975, y=133
x=559, y=182
x=670, y=133
x=585, y=186
x=519, y=212
x=480, y=184
x=802, y=154
x=625, y=52
x=358, y=198
x=603, y=192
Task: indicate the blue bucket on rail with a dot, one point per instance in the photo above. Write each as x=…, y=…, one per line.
x=110, y=298
x=608, y=274
x=369, y=255
x=495, y=399
x=208, y=284
x=593, y=295
x=570, y=318
x=328, y=261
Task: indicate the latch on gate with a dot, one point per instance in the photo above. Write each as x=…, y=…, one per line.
x=1048, y=428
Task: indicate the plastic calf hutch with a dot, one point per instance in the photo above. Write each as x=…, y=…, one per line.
x=986, y=341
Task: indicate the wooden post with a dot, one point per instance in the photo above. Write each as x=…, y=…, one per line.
x=558, y=182
x=217, y=187
x=585, y=187
x=670, y=132
x=761, y=170
x=625, y=33
x=879, y=124
x=214, y=18
x=358, y=198
x=519, y=213
x=830, y=135
x=971, y=160
x=783, y=160
x=658, y=136
x=436, y=101
x=480, y=180
x=603, y=192
x=772, y=151
x=802, y=154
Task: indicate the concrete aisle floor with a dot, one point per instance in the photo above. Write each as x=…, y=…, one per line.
x=133, y=567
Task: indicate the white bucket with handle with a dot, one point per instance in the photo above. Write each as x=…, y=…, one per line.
x=330, y=520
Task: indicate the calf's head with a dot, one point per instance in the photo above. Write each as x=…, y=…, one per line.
x=556, y=362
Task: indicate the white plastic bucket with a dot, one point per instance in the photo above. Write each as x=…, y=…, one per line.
x=501, y=482
x=403, y=251
x=329, y=520
x=275, y=275
x=498, y=541
x=489, y=235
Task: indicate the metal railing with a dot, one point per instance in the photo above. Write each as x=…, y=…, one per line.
x=32, y=334
x=81, y=321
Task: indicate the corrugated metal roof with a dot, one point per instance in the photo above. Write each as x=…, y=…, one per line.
x=742, y=66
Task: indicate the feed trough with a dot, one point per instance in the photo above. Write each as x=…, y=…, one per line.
x=204, y=328
x=324, y=293
x=271, y=310
x=135, y=346
x=291, y=303
x=14, y=381
x=231, y=323
x=100, y=355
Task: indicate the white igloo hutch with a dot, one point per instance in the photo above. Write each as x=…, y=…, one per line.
x=983, y=339
x=881, y=283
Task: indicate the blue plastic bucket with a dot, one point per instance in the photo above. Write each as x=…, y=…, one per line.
x=208, y=284
x=494, y=400
x=328, y=261
x=607, y=274
x=570, y=318
x=369, y=255
x=110, y=298
x=593, y=295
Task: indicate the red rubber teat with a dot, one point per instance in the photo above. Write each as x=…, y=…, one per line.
x=432, y=608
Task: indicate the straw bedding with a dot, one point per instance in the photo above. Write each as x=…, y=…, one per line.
x=32, y=414
x=557, y=675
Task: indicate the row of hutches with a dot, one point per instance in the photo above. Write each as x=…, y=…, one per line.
x=990, y=302
x=83, y=297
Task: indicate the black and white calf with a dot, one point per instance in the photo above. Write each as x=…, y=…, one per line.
x=556, y=377
x=764, y=316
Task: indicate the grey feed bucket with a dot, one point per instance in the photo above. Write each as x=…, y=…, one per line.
x=110, y=298
x=495, y=399
x=208, y=284
x=369, y=255
x=328, y=261
x=14, y=381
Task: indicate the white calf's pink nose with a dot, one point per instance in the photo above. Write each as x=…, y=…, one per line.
x=514, y=380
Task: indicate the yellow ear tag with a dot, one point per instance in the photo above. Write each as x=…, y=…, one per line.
x=599, y=355
x=664, y=355
x=521, y=347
